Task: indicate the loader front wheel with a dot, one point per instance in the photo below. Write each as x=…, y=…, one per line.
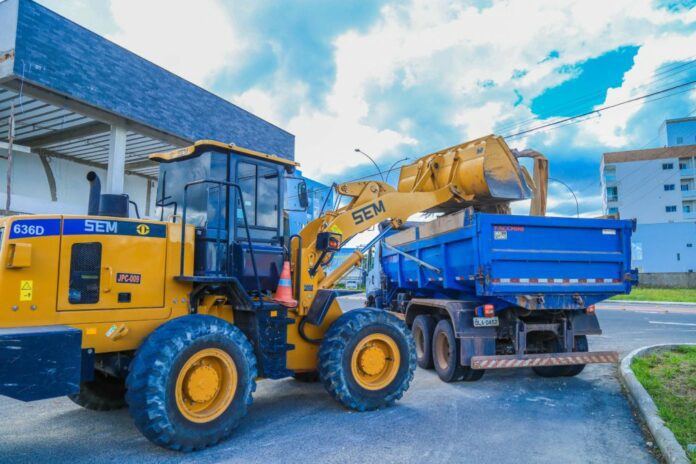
x=191, y=382
x=367, y=359
x=103, y=393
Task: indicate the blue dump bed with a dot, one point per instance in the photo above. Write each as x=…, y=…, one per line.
x=530, y=262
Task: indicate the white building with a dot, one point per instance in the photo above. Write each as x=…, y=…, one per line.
x=657, y=188
x=653, y=186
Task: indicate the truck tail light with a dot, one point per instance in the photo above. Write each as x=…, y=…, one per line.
x=488, y=310
x=590, y=309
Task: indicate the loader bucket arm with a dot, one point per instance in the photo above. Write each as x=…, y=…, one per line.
x=477, y=173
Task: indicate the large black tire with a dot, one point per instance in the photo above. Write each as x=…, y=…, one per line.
x=348, y=339
x=104, y=393
x=580, y=346
x=564, y=371
x=155, y=402
x=422, y=330
x=445, y=351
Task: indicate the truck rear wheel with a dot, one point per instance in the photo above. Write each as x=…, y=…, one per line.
x=422, y=329
x=191, y=382
x=367, y=359
x=446, y=356
x=104, y=393
x=580, y=346
x=446, y=353
x=564, y=371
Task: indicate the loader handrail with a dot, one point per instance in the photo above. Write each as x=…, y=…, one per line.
x=218, y=240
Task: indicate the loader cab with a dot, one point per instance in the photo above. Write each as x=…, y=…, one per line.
x=232, y=196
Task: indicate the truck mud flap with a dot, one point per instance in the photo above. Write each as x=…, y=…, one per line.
x=545, y=359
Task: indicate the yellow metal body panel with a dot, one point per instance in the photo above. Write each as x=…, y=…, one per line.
x=201, y=145
x=156, y=259
x=141, y=256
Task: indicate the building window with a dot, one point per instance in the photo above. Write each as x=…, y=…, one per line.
x=689, y=245
x=686, y=208
x=684, y=187
x=610, y=174
x=671, y=209
x=682, y=166
x=669, y=187
x=613, y=210
x=666, y=166
x=612, y=194
x=85, y=272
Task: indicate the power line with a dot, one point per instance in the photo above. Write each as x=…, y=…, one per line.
x=598, y=110
x=666, y=73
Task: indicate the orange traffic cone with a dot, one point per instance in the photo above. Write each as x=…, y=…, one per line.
x=283, y=294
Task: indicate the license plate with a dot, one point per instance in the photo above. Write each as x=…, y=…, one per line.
x=486, y=321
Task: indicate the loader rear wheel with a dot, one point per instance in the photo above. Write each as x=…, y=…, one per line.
x=104, y=393
x=367, y=359
x=446, y=353
x=191, y=382
x=423, y=329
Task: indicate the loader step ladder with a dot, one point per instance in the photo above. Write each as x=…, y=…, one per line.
x=219, y=275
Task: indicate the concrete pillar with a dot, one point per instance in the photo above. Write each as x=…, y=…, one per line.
x=117, y=160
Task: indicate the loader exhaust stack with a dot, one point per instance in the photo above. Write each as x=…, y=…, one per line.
x=94, y=193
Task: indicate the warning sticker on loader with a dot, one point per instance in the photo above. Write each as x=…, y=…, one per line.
x=26, y=290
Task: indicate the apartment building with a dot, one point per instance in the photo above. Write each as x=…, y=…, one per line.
x=657, y=188
x=656, y=185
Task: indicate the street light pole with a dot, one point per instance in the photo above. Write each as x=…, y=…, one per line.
x=577, y=204
x=394, y=164
x=373, y=162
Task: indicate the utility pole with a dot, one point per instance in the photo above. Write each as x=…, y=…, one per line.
x=8, y=199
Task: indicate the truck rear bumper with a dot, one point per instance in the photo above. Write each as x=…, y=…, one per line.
x=545, y=359
x=40, y=362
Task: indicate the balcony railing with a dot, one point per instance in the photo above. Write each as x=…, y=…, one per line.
x=687, y=172
x=688, y=193
x=689, y=216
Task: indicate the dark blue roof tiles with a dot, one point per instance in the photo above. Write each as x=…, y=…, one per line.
x=62, y=56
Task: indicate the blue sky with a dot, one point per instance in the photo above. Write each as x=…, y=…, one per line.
x=401, y=79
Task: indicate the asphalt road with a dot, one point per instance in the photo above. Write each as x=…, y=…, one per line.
x=508, y=416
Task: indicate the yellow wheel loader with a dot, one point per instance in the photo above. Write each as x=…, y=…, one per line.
x=177, y=318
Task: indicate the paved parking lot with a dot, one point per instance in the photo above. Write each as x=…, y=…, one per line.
x=508, y=416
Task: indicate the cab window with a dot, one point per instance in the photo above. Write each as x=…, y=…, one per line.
x=260, y=187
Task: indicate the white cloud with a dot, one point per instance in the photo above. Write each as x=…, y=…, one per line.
x=464, y=57
x=453, y=49
x=611, y=129
x=192, y=39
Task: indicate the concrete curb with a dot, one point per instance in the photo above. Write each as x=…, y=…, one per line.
x=670, y=447
x=651, y=303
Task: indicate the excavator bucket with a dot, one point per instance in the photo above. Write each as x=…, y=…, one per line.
x=481, y=173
